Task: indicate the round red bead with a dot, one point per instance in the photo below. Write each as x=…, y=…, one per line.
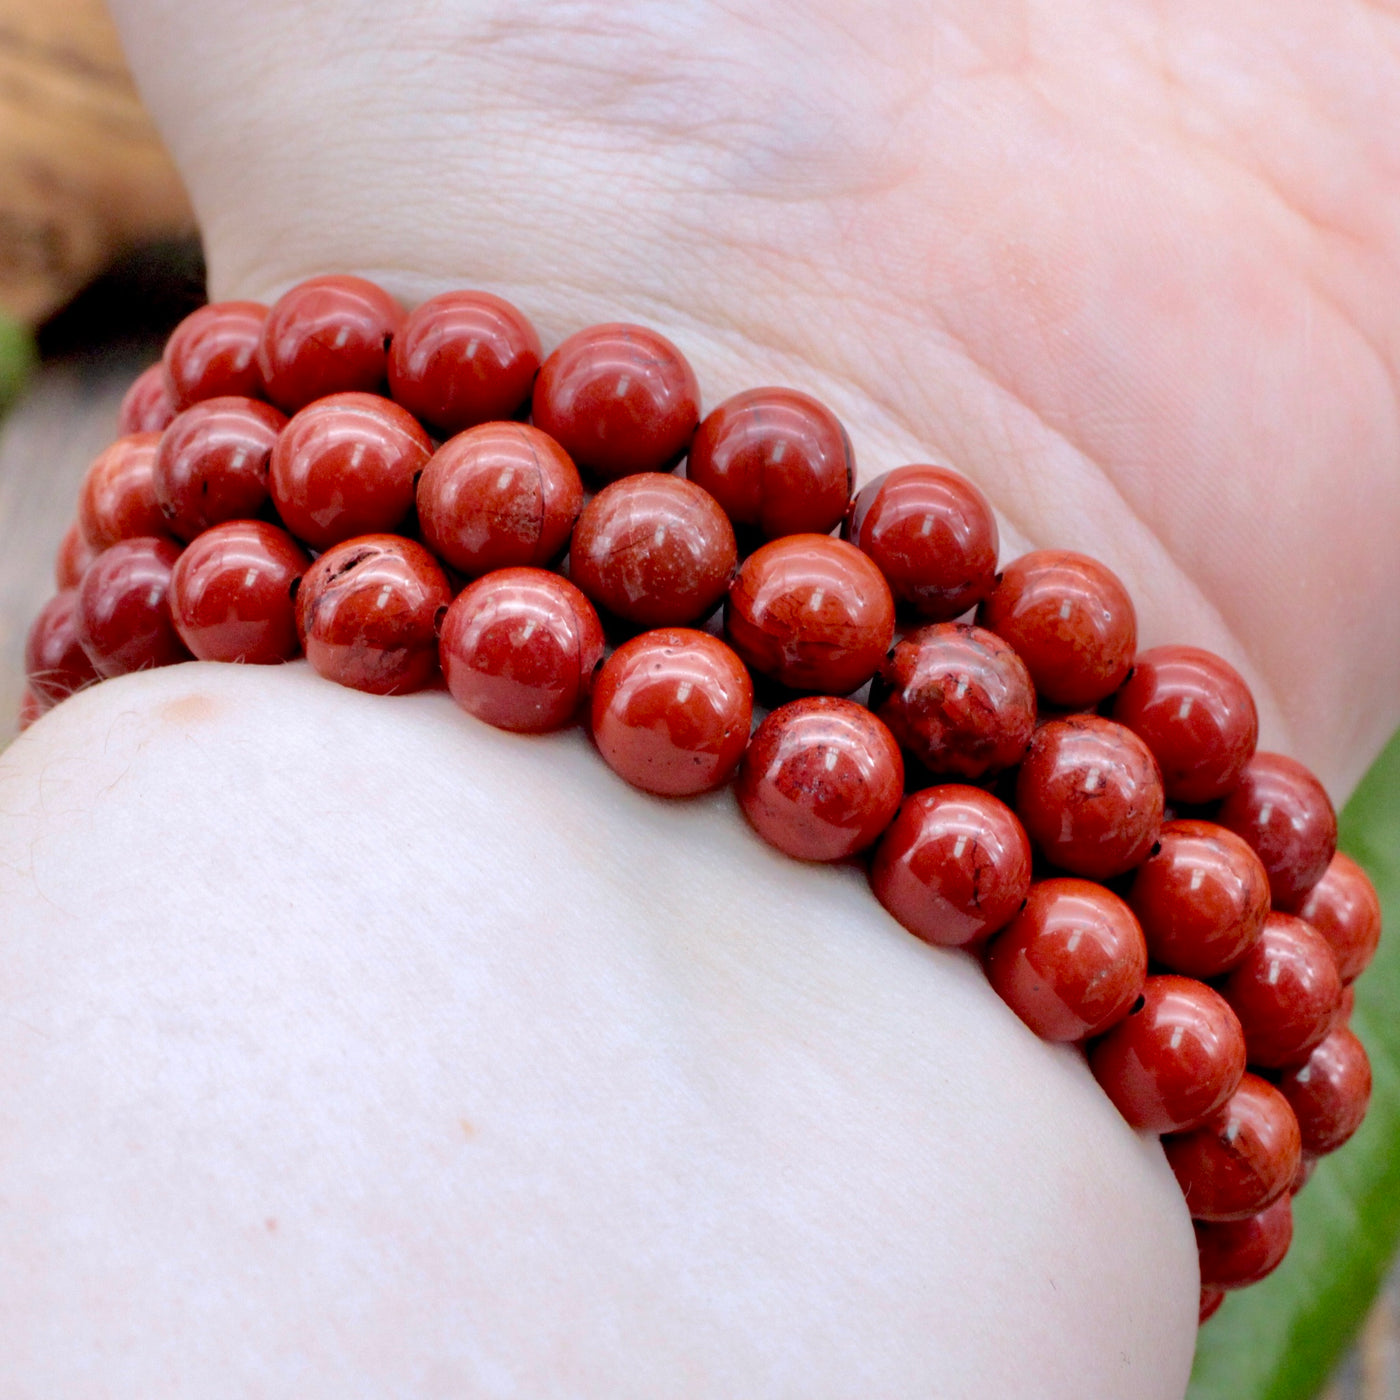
x=1071, y=963
x=501, y=495
x=54, y=659
x=1237, y=1253
x=1090, y=796
x=1344, y=908
x=118, y=496
x=1243, y=1156
x=812, y=612
x=1285, y=991
x=328, y=335
x=1307, y=1165
x=1284, y=813
x=346, y=466
x=821, y=779
x=368, y=612
x=232, y=594
x=463, y=358
x=74, y=555
x=954, y=866
x=958, y=698
x=212, y=353
x=654, y=550
x=146, y=406
x=1194, y=711
x=213, y=461
x=1346, y=1008
x=619, y=399
x=776, y=459
x=1211, y=1299
x=124, y=618
x=933, y=535
x=1330, y=1091
x=519, y=649
x=1174, y=1059
x=1201, y=897
x=1072, y=622
x=671, y=712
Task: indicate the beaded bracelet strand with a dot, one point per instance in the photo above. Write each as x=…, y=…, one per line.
x=1094, y=823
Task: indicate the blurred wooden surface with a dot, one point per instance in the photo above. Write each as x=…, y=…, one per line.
x=82, y=172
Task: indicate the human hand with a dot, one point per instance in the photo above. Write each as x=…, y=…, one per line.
x=802, y=1152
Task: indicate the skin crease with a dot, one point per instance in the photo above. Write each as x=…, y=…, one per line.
x=358, y=1049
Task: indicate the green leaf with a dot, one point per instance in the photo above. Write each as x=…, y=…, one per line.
x=17, y=358
x=1281, y=1339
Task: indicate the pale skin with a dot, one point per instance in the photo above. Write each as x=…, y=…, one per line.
x=354, y=1049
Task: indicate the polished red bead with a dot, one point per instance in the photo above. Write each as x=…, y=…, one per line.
x=933, y=535
x=117, y=500
x=954, y=866
x=346, y=466
x=146, y=406
x=1285, y=991
x=328, y=335
x=213, y=463
x=1072, y=962
x=655, y=550
x=775, y=459
x=232, y=594
x=502, y=495
x=463, y=358
x=812, y=612
x=519, y=649
x=54, y=659
x=1344, y=908
x=1194, y=711
x=1244, y=1156
x=213, y=352
x=74, y=555
x=29, y=709
x=619, y=399
x=1330, y=1091
x=1175, y=1058
x=958, y=698
x=1211, y=1299
x=1202, y=897
x=368, y=612
x=1237, y=1253
x=821, y=779
x=1284, y=813
x=124, y=619
x=1072, y=622
x=1090, y=796
x=671, y=712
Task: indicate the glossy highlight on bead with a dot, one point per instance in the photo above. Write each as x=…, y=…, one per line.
x=520, y=648
x=776, y=460
x=618, y=399
x=671, y=712
x=368, y=612
x=232, y=595
x=932, y=534
x=1071, y=963
x=1071, y=620
x=821, y=779
x=498, y=496
x=462, y=359
x=812, y=613
x=954, y=866
x=655, y=550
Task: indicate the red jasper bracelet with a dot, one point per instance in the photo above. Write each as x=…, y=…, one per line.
x=1092, y=822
